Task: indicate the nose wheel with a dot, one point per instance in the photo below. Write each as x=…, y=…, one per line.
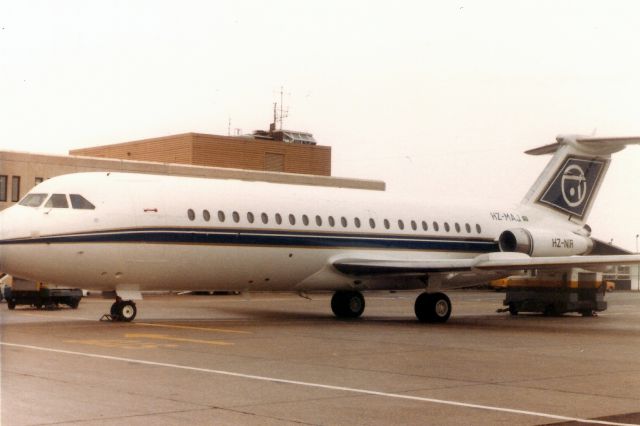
x=122, y=310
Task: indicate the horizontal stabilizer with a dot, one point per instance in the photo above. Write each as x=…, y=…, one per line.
x=587, y=144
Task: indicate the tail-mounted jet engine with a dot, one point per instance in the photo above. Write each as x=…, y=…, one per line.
x=538, y=243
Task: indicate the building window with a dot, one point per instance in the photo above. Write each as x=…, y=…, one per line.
x=3, y=188
x=274, y=162
x=15, y=189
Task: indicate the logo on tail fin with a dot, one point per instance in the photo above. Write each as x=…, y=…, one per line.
x=573, y=185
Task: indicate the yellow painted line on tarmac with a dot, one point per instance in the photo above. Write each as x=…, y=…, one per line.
x=176, y=339
x=190, y=327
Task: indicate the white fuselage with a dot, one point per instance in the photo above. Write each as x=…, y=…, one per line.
x=174, y=233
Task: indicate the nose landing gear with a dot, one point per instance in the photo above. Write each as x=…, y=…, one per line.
x=121, y=310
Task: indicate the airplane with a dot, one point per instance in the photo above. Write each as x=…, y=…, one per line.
x=124, y=233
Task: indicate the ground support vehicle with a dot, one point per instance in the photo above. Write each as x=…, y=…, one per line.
x=556, y=292
x=22, y=292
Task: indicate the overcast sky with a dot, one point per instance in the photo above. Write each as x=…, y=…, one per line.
x=437, y=98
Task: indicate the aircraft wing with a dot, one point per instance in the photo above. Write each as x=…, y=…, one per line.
x=491, y=262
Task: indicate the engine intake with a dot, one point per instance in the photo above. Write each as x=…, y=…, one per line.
x=538, y=243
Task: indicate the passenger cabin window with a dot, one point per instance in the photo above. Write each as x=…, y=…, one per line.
x=387, y=225
x=343, y=221
x=424, y=226
x=278, y=219
x=191, y=214
x=436, y=227
x=58, y=201
x=33, y=200
x=305, y=220
x=236, y=217
x=265, y=218
x=414, y=225
x=332, y=221
x=467, y=227
x=372, y=223
x=250, y=217
x=356, y=221
x=447, y=227
x=292, y=219
x=206, y=215
x=457, y=225
x=400, y=224
x=221, y=216
x=318, y=220
x=478, y=229
x=80, y=203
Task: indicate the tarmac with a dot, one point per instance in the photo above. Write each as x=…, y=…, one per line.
x=279, y=359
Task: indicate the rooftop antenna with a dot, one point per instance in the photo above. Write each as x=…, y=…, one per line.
x=284, y=113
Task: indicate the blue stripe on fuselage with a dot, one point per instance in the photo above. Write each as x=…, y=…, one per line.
x=202, y=236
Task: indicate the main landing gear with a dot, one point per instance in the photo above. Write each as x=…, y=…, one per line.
x=347, y=304
x=433, y=307
x=122, y=310
x=429, y=307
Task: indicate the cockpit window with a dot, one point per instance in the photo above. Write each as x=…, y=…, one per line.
x=58, y=201
x=79, y=202
x=33, y=200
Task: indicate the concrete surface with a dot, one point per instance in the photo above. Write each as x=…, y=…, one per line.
x=280, y=359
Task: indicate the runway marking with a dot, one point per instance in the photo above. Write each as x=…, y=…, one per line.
x=189, y=327
x=320, y=385
x=121, y=343
x=176, y=339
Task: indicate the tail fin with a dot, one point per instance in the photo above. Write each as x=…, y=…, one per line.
x=570, y=182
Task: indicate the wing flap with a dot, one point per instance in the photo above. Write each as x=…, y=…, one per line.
x=486, y=262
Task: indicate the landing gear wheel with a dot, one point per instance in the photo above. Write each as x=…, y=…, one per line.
x=11, y=304
x=433, y=307
x=513, y=309
x=347, y=304
x=123, y=310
